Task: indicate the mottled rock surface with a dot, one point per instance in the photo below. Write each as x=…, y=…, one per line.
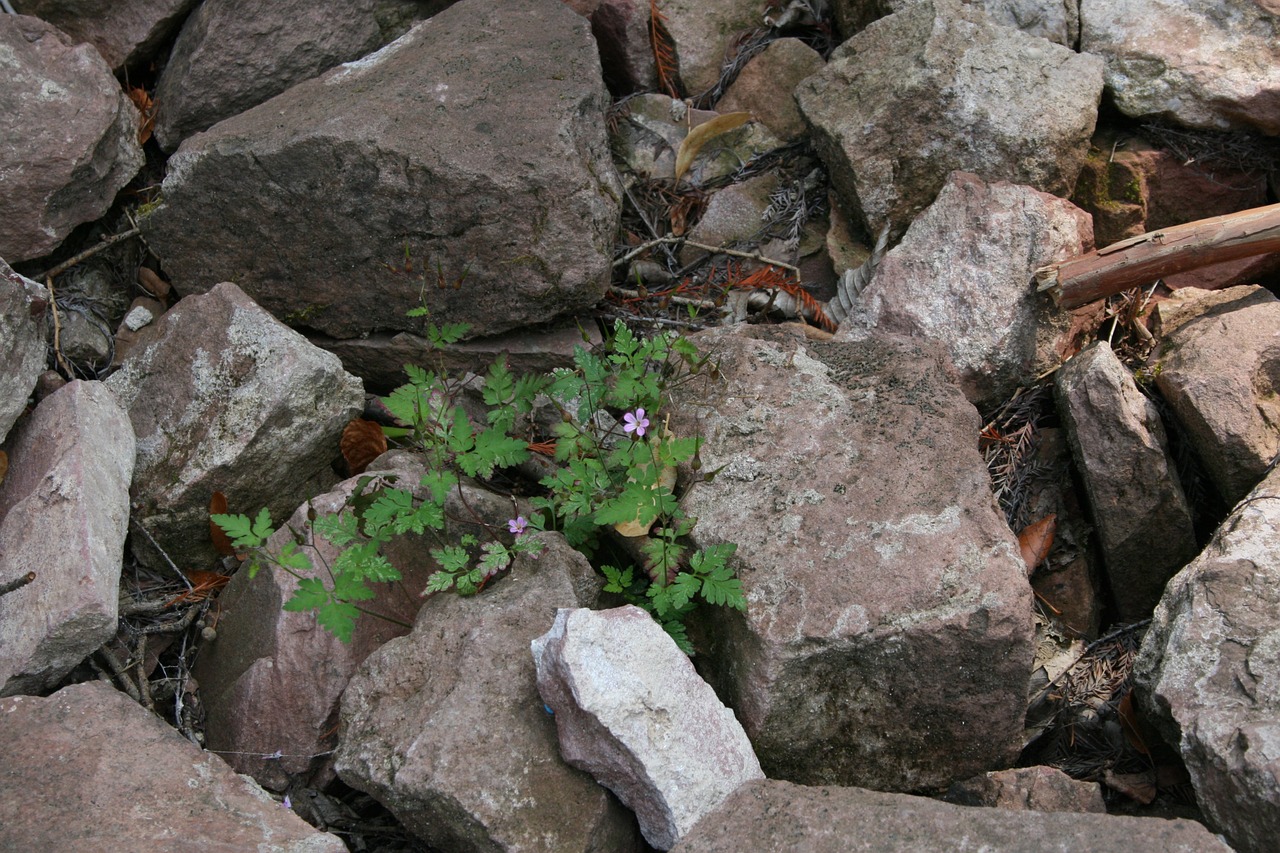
x=125, y=32
x=23, y=307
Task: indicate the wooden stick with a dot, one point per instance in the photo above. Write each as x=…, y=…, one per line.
x=1147, y=257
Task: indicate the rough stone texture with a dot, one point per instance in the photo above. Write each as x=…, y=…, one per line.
x=71, y=137
x=939, y=87
x=1056, y=20
x=23, y=307
x=702, y=32
x=232, y=55
x=64, y=513
x=887, y=639
x=1141, y=514
x=621, y=29
x=1041, y=789
x=1207, y=671
x=445, y=726
x=272, y=679
x=1198, y=63
x=733, y=215
x=962, y=277
x=764, y=86
x=125, y=32
x=775, y=815
x=225, y=399
x=631, y=710
x=1220, y=373
x=475, y=143
x=649, y=134
x=89, y=769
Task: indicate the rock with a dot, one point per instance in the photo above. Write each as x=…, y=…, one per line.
x=1055, y=20
x=1198, y=63
x=703, y=33
x=1041, y=789
x=1206, y=671
x=631, y=710
x=887, y=639
x=445, y=726
x=92, y=765
x=225, y=399
x=230, y=57
x=126, y=33
x=1218, y=372
x=262, y=690
x=64, y=513
x=85, y=340
x=649, y=132
x=939, y=87
x=23, y=307
x=764, y=86
x=1118, y=441
x=475, y=144
x=961, y=277
x=621, y=28
x=776, y=815
x=72, y=137
x=734, y=216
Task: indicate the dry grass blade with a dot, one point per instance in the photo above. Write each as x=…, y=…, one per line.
x=664, y=52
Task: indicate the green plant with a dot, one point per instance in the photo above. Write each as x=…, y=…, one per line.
x=614, y=483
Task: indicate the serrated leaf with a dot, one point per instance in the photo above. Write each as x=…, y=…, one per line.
x=451, y=558
x=238, y=528
x=309, y=595
x=341, y=529
x=291, y=558
x=339, y=619
x=499, y=387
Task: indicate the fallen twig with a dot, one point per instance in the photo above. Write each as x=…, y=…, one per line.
x=6, y=588
x=91, y=251
x=715, y=250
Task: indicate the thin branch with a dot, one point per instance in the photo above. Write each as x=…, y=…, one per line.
x=6, y=588
x=156, y=545
x=715, y=250
x=91, y=251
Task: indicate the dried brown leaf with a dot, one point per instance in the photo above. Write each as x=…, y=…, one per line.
x=692, y=144
x=1036, y=540
x=4, y=465
x=221, y=541
x=362, y=442
x=146, y=112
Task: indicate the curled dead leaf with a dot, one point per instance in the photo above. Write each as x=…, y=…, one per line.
x=221, y=541
x=4, y=465
x=1036, y=540
x=692, y=144
x=362, y=442
x=146, y=112
x=152, y=283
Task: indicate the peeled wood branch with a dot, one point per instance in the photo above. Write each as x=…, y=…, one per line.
x=1156, y=254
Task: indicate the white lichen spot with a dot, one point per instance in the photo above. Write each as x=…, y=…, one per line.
x=357, y=67
x=51, y=91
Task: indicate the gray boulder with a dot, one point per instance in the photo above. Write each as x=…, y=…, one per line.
x=1200, y=63
x=71, y=136
x=887, y=639
x=1207, y=671
x=631, y=710
x=939, y=87
x=223, y=398
x=64, y=513
x=474, y=144
x=703, y=33
x=775, y=815
x=125, y=32
x=23, y=306
x=445, y=726
x=97, y=771
x=1141, y=514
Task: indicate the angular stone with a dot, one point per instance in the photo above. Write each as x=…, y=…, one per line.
x=64, y=514
x=474, y=144
x=125, y=32
x=1220, y=373
x=888, y=638
x=23, y=307
x=702, y=33
x=1197, y=63
x=445, y=726
x=960, y=277
x=96, y=770
x=776, y=815
x=1141, y=514
x=1041, y=789
x=631, y=710
x=764, y=86
x=939, y=87
x=1055, y=20
x=1207, y=671
x=71, y=137
x=226, y=399
x=621, y=28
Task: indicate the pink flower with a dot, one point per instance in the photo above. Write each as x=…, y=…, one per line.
x=636, y=423
x=517, y=525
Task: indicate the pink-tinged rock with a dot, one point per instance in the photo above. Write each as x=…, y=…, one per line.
x=939, y=87
x=1211, y=64
x=70, y=137
x=764, y=86
x=23, y=307
x=621, y=29
x=223, y=398
x=271, y=681
x=960, y=277
x=125, y=32
x=88, y=769
x=1218, y=371
x=887, y=639
x=475, y=143
x=703, y=33
x=1208, y=671
x=64, y=513
x=1142, y=517
x=445, y=726
x=1041, y=789
x=631, y=710
x=776, y=815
